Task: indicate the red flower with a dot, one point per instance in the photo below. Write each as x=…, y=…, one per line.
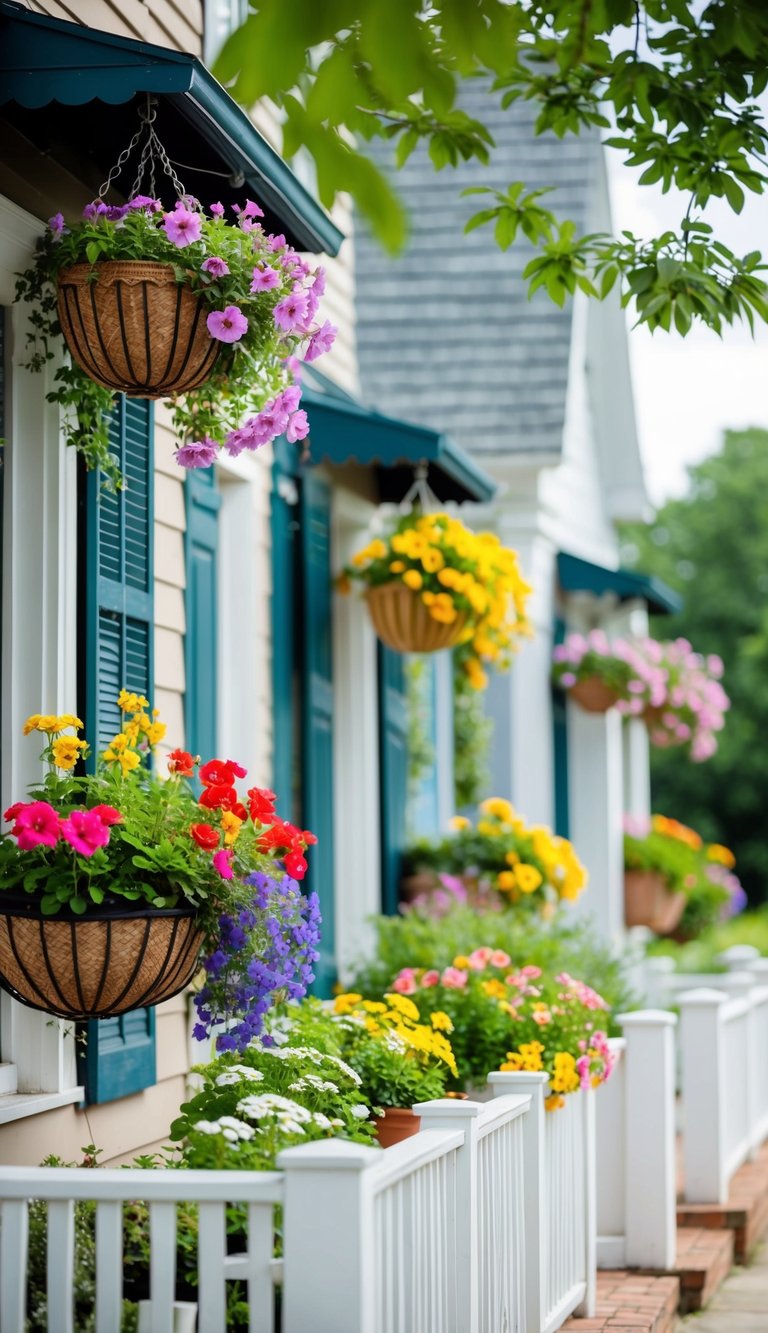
x=295, y=864
x=205, y=836
x=223, y=798
x=13, y=811
x=279, y=835
x=182, y=763
x=107, y=814
x=217, y=773
x=261, y=804
x=308, y=838
x=237, y=769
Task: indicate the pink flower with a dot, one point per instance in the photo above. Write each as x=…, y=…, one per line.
x=499, y=958
x=182, y=226
x=85, y=831
x=454, y=978
x=198, y=453
x=318, y=286
x=145, y=204
x=322, y=341
x=37, y=825
x=227, y=325
x=405, y=982
x=107, y=814
x=289, y=399
x=431, y=978
x=252, y=210
x=217, y=268
x=530, y=972
x=542, y=1017
x=567, y=679
x=12, y=812
x=298, y=427
x=289, y=314
x=480, y=958
x=270, y=422
x=277, y=242
x=222, y=862
x=264, y=279
x=216, y=210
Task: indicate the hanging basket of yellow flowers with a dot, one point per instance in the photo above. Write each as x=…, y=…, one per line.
x=431, y=583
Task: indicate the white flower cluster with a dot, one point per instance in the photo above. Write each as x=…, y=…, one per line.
x=315, y=1083
x=315, y=1057
x=236, y=1074
x=234, y=1131
x=289, y=1115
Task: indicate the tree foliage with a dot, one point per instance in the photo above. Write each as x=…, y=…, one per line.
x=675, y=84
x=713, y=547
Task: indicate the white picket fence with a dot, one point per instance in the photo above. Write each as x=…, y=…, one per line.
x=483, y=1222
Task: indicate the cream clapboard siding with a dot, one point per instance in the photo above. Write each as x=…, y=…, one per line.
x=175, y=23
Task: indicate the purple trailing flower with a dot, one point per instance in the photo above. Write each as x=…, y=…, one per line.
x=182, y=226
x=227, y=325
x=290, y=313
x=298, y=427
x=145, y=203
x=265, y=279
x=216, y=210
x=322, y=341
x=277, y=242
x=198, y=453
x=56, y=224
x=215, y=267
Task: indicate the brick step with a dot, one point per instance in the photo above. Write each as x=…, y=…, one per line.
x=745, y=1212
x=704, y=1260
x=631, y=1303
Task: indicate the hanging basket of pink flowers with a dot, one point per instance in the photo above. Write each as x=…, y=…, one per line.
x=178, y=302
x=111, y=883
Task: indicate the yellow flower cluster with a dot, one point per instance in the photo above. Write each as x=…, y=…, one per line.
x=540, y=858
x=722, y=855
x=62, y=751
x=458, y=574
x=400, y=1016
x=137, y=726
x=51, y=723
x=564, y=1077
x=527, y=1057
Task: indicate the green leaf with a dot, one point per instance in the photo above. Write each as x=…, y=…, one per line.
x=78, y=905
x=733, y=193
x=506, y=227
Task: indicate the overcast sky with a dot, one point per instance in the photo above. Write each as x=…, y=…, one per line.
x=689, y=390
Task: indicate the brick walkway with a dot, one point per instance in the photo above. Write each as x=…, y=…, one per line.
x=741, y=1304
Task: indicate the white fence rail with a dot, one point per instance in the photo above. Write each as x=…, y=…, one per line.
x=724, y=1056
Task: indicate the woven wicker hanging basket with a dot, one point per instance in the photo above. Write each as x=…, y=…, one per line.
x=99, y=965
x=649, y=902
x=593, y=695
x=133, y=328
x=403, y=622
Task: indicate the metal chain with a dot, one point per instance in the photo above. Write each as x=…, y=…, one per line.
x=152, y=153
x=420, y=493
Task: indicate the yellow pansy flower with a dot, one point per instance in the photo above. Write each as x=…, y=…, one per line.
x=528, y=878
x=231, y=826
x=458, y=823
x=67, y=751
x=412, y=579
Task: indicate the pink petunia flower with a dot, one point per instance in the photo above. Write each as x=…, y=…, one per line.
x=289, y=399
x=144, y=203
x=37, y=825
x=182, y=226
x=298, y=427
x=217, y=268
x=454, y=978
x=85, y=831
x=216, y=210
x=289, y=314
x=277, y=242
x=227, y=325
x=500, y=959
x=322, y=341
x=405, y=982
x=198, y=453
x=430, y=978
x=222, y=862
x=265, y=279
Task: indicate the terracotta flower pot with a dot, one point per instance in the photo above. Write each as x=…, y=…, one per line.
x=649, y=902
x=133, y=328
x=397, y=1123
x=116, y=958
x=593, y=695
x=415, y=886
x=403, y=622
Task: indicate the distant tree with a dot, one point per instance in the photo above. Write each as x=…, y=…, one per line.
x=676, y=83
x=713, y=547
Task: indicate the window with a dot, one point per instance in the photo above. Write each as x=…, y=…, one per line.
x=220, y=18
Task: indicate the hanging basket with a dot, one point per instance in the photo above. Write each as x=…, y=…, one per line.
x=95, y=966
x=403, y=622
x=649, y=902
x=395, y=1124
x=133, y=328
x=593, y=695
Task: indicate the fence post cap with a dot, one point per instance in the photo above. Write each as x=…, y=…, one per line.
x=453, y=1108
x=501, y=1078
x=647, y=1018
x=328, y=1155
x=702, y=997
x=738, y=954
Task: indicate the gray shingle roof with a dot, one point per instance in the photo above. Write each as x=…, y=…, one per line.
x=446, y=333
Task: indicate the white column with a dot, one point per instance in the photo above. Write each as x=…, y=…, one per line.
x=595, y=781
x=703, y=1095
x=447, y=1114
x=637, y=769
x=534, y=1191
x=649, y=1137
x=328, y=1259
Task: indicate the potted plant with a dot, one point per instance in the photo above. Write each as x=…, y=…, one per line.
x=675, y=883
x=592, y=670
x=500, y=862
x=156, y=304
x=690, y=707
x=430, y=584
x=399, y=1059
x=111, y=883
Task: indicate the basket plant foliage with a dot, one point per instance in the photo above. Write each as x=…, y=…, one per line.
x=112, y=882
x=188, y=303
x=431, y=583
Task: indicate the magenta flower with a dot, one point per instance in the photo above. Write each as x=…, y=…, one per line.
x=252, y=210
x=290, y=313
x=221, y=862
x=322, y=341
x=238, y=440
x=289, y=399
x=216, y=210
x=182, y=226
x=56, y=224
x=277, y=242
x=145, y=202
x=264, y=279
x=217, y=268
x=294, y=366
x=271, y=422
x=227, y=325
x=298, y=427
x=85, y=831
x=37, y=825
x=198, y=453
x=318, y=286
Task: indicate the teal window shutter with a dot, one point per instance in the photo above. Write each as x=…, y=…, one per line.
x=317, y=689
x=560, y=748
x=393, y=751
x=202, y=502
x=119, y=641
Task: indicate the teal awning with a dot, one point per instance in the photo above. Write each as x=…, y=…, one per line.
x=577, y=575
x=342, y=431
x=73, y=91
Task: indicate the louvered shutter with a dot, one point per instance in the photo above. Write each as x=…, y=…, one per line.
x=120, y=1052
x=393, y=750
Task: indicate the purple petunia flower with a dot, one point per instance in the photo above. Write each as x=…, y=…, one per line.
x=182, y=226
x=298, y=427
x=198, y=453
x=290, y=313
x=265, y=279
x=322, y=341
x=216, y=210
x=289, y=399
x=215, y=267
x=146, y=203
x=251, y=210
x=56, y=224
x=277, y=242
x=227, y=325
